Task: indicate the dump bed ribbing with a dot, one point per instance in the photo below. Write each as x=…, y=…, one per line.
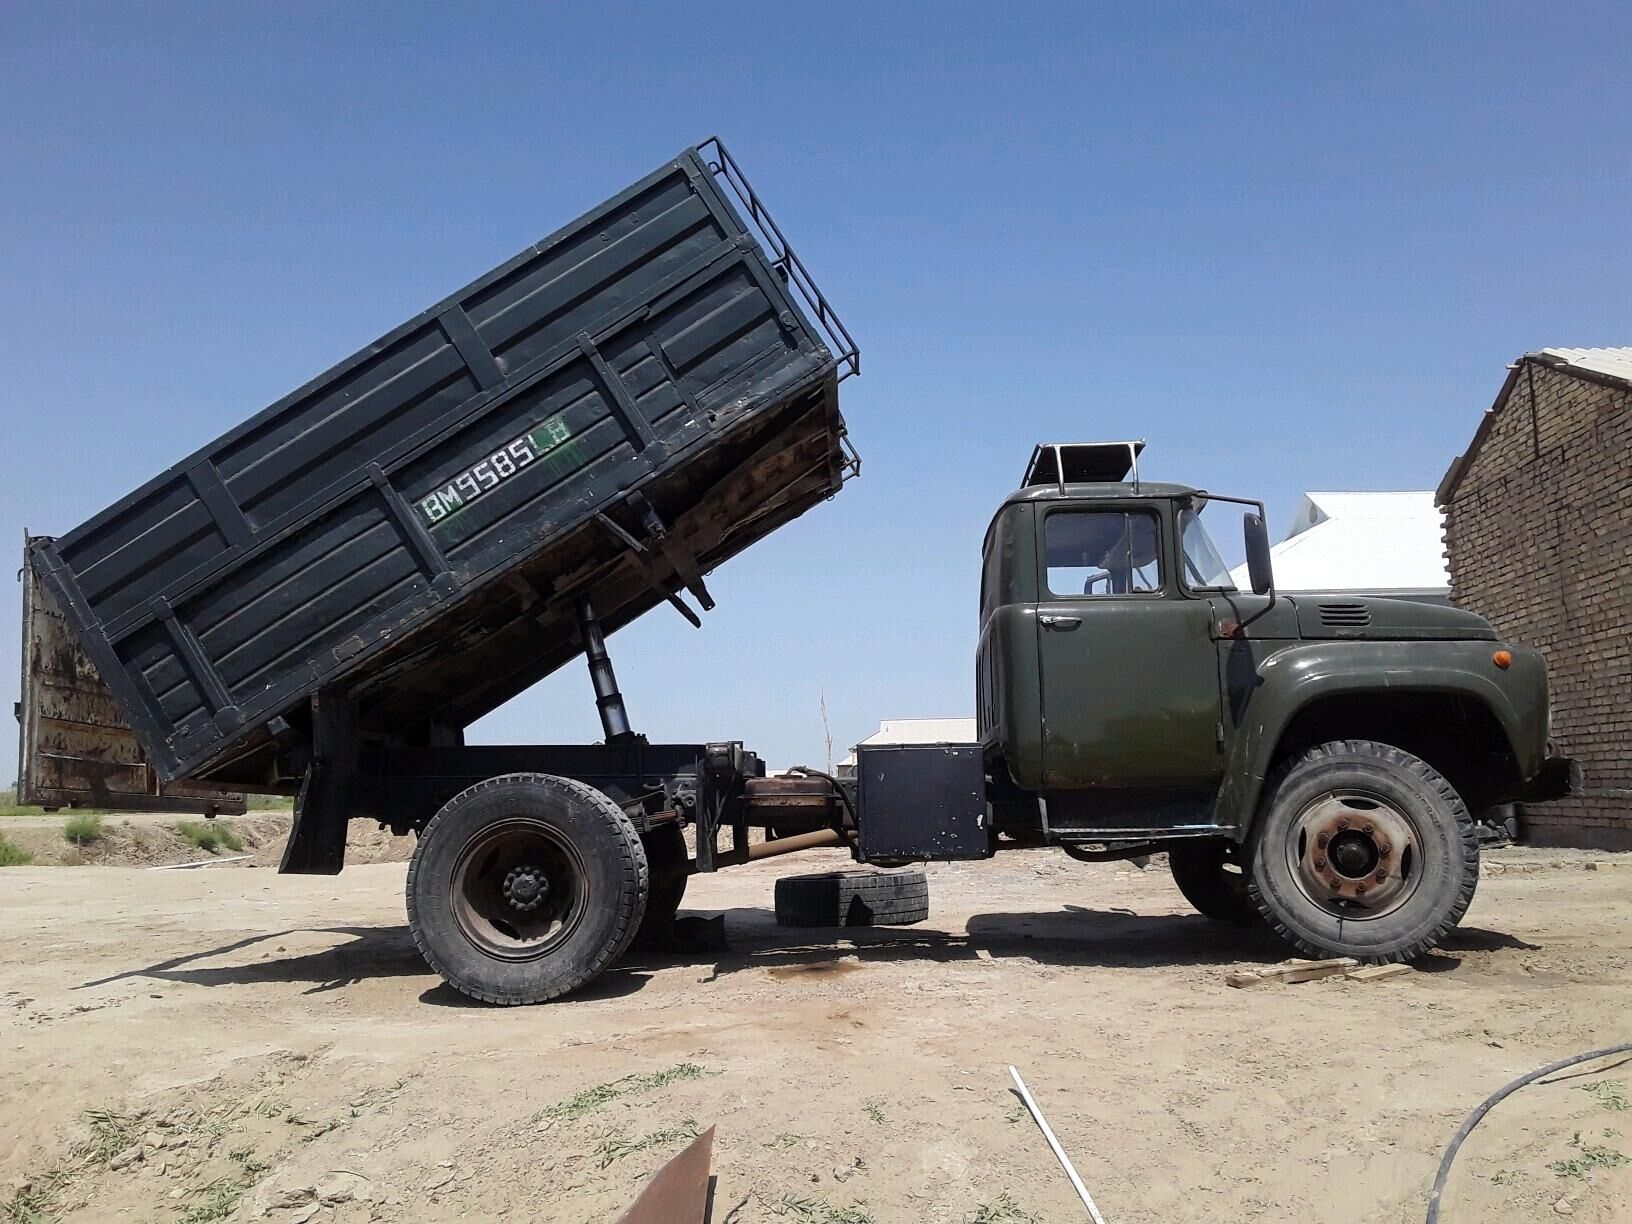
x=606, y=416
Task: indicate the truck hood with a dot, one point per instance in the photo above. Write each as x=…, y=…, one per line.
x=1373, y=618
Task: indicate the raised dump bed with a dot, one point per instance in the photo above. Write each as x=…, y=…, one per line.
x=416, y=532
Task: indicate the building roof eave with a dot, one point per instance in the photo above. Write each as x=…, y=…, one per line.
x=1452, y=479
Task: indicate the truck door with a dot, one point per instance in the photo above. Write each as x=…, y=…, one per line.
x=1128, y=675
x=76, y=750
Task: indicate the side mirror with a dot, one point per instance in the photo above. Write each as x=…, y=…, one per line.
x=1258, y=566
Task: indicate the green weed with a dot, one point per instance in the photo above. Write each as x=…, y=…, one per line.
x=592, y=1099
x=82, y=828
x=33, y=1204
x=1002, y=1210
x=209, y=835
x=220, y=1198
x=815, y=1211
x=1507, y=1177
x=1611, y=1094
x=1592, y=1157
x=873, y=1107
x=111, y=1133
x=614, y=1145
x=13, y=855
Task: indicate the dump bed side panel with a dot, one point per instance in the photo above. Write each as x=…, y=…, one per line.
x=367, y=505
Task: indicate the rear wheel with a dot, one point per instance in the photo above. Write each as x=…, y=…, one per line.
x=1210, y=875
x=525, y=886
x=1363, y=850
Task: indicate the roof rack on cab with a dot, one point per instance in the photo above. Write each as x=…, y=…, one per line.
x=1063, y=463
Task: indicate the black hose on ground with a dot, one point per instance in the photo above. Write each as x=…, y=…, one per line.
x=1492, y=1100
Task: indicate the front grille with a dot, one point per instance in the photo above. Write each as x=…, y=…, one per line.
x=1345, y=615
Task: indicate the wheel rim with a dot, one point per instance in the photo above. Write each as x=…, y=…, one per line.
x=519, y=889
x=1355, y=855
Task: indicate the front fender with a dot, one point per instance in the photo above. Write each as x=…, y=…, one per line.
x=1296, y=676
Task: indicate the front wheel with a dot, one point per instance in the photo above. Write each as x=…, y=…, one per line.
x=524, y=887
x=1363, y=850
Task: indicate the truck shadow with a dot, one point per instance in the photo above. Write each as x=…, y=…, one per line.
x=1073, y=936
x=370, y=952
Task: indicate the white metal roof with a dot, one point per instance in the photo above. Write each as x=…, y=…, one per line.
x=920, y=731
x=1615, y=362
x=1361, y=542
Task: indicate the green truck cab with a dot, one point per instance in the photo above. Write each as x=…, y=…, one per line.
x=1316, y=761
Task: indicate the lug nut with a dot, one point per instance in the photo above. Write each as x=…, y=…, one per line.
x=1320, y=864
x=1342, y=822
x=1382, y=877
x=1384, y=849
x=1359, y=888
x=1321, y=841
x=1367, y=829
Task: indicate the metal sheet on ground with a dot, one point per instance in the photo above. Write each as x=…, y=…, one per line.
x=678, y=1192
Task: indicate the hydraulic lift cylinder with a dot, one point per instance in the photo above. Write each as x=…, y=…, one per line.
x=608, y=701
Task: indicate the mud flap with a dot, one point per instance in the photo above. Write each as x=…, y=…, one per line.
x=317, y=840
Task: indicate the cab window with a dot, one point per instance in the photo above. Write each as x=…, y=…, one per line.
x=1102, y=553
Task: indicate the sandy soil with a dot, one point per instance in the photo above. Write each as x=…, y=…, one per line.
x=178, y=1042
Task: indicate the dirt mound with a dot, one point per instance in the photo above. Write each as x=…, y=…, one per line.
x=149, y=839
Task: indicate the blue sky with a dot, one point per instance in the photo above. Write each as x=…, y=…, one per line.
x=1293, y=247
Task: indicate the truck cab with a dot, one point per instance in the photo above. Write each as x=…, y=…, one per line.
x=1131, y=698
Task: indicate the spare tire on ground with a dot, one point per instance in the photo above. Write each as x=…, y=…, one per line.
x=853, y=898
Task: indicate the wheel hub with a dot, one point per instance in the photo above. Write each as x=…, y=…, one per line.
x=526, y=887
x=1355, y=855
x=519, y=888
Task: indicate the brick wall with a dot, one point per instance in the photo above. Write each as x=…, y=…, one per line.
x=1539, y=537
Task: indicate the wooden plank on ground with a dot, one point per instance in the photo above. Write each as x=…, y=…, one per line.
x=1292, y=971
x=1371, y=973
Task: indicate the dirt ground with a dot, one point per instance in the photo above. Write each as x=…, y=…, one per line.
x=203, y=1044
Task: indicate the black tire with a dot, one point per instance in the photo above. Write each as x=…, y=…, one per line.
x=524, y=887
x=853, y=898
x=1210, y=876
x=1359, y=801
x=670, y=867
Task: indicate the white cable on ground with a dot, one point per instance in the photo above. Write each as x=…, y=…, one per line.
x=235, y=858
x=1059, y=1152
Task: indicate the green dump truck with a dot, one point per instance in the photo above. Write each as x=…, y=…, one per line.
x=321, y=600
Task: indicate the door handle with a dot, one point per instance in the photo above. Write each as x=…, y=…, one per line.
x=1053, y=620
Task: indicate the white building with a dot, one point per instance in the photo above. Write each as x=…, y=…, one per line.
x=1364, y=544
x=915, y=731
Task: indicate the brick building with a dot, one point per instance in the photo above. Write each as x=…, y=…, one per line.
x=1538, y=532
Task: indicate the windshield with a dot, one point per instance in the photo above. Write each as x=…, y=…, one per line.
x=1203, y=567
